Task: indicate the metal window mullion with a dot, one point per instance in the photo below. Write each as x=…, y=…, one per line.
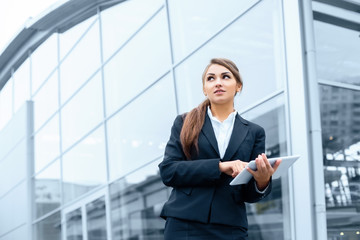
x=314, y=119
x=30, y=166
x=62, y=191
x=287, y=184
x=107, y=190
x=30, y=155
x=30, y=73
x=339, y=85
x=172, y=71
x=84, y=222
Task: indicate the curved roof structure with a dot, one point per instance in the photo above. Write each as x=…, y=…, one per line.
x=58, y=18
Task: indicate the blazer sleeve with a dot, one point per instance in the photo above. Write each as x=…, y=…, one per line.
x=177, y=171
x=249, y=192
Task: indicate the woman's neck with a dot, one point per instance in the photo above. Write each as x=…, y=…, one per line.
x=221, y=112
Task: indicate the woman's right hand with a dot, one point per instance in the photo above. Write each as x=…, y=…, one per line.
x=232, y=168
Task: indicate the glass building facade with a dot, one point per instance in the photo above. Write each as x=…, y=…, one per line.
x=89, y=92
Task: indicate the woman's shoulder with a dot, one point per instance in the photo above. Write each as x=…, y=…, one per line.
x=179, y=120
x=252, y=125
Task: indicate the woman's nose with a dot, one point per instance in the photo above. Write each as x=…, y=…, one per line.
x=218, y=81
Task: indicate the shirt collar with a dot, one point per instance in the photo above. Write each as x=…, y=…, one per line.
x=230, y=118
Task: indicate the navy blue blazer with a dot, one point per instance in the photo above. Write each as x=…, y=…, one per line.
x=200, y=191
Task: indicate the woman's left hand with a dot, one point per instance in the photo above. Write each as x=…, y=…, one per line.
x=264, y=171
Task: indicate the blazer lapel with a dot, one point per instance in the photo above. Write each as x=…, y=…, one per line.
x=209, y=133
x=238, y=135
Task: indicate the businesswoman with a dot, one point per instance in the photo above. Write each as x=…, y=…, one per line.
x=207, y=148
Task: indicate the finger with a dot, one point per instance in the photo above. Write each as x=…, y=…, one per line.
x=277, y=164
x=252, y=172
x=260, y=164
x=266, y=161
x=235, y=171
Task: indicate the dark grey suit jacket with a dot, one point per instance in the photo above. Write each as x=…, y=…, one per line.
x=200, y=191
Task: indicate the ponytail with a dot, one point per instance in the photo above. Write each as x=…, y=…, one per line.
x=193, y=124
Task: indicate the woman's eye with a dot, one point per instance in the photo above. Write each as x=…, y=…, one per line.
x=226, y=77
x=210, y=78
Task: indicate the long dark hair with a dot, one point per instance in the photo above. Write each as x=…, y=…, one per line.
x=194, y=120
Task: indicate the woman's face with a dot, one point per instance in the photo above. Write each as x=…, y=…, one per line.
x=220, y=85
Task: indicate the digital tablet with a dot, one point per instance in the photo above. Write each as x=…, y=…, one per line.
x=244, y=176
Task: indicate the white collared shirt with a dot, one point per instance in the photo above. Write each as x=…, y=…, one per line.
x=222, y=130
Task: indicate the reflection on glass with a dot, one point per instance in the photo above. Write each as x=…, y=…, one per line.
x=82, y=113
x=21, y=85
x=6, y=103
x=48, y=228
x=96, y=219
x=46, y=101
x=134, y=13
x=253, y=42
x=71, y=36
x=138, y=133
x=74, y=225
x=191, y=26
x=84, y=166
x=43, y=61
x=141, y=62
x=266, y=218
x=335, y=60
x=47, y=143
x=340, y=119
x=75, y=69
x=47, y=190
x=136, y=202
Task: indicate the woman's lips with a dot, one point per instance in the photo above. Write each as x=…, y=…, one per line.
x=220, y=91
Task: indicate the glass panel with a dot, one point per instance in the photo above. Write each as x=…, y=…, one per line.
x=74, y=225
x=96, y=219
x=69, y=38
x=6, y=101
x=47, y=190
x=193, y=22
x=43, y=61
x=13, y=167
x=257, y=51
x=21, y=85
x=82, y=113
x=267, y=218
x=13, y=132
x=142, y=61
x=337, y=53
x=134, y=13
x=84, y=166
x=19, y=233
x=138, y=133
x=48, y=228
x=47, y=143
x=46, y=101
x=136, y=202
x=75, y=69
x=340, y=119
x=13, y=205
